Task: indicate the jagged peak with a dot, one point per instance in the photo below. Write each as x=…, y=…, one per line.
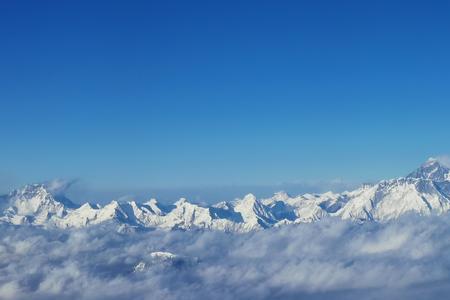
x=249, y=201
x=41, y=191
x=154, y=207
x=112, y=204
x=181, y=202
x=281, y=196
x=33, y=188
x=152, y=201
x=329, y=194
x=86, y=205
x=432, y=169
x=249, y=198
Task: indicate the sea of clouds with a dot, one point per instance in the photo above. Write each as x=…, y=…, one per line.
x=331, y=259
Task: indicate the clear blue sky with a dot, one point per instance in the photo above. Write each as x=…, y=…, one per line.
x=173, y=94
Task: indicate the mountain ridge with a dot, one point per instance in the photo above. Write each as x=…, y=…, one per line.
x=424, y=191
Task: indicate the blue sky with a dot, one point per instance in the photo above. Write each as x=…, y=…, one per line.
x=162, y=96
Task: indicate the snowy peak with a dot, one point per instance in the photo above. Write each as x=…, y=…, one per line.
x=34, y=204
x=281, y=196
x=186, y=215
x=163, y=258
x=433, y=170
x=31, y=191
x=40, y=191
x=390, y=199
x=253, y=212
x=152, y=206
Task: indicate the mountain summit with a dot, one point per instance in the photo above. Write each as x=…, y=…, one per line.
x=433, y=170
x=425, y=191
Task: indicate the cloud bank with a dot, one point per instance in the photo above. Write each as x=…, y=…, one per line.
x=330, y=259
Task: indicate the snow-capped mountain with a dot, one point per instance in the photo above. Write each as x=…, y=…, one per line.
x=433, y=170
x=34, y=204
x=164, y=259
x=425, y=191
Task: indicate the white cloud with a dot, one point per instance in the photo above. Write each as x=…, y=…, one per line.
x=444, y=159
x=59, y=186
x=326, y=260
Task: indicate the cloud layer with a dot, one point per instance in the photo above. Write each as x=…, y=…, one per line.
x=404, y=259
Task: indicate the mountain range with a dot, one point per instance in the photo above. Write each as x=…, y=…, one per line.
x=425, y=191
